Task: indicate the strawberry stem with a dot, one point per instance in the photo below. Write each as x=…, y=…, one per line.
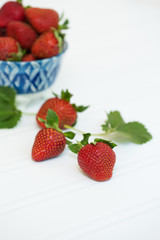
x=29, y=114
x=92, y=134
x=70, y=127
x=59, y=38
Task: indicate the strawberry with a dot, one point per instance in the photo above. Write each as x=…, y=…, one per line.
x=9, y=48
x=46, y=46
x=28, y=57
x=50, y=141
x=11, y=11
x=22, y=32
x=42, y=19
x=96, y=159
x=66, y=111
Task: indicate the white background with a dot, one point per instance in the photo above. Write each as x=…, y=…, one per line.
x=112, y=63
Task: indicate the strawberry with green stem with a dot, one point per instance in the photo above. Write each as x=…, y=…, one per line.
x=10, y=49
x=96, y=159
x=47, y=45
x=51, y=40
x=50, y=141
x=66, y=111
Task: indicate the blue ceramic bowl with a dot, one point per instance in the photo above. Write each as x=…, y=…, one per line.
x=30, y=77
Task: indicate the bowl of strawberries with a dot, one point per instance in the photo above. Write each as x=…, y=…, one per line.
x=32, y=44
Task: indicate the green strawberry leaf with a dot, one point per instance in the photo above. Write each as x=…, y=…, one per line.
x=59, y=38
x=79, y=108
x=135, y=132
x=109, y=143
x=68, y=142
x=64, y=25
x=9, y=114
x=66, y=95
x=41, y=120
x=114, y=120
x=6, y=112
x=75, y=147
x=52, y=120
x=69, y=135
x=85, y=138
x=19, y=1
x=12, y=120
x=52, y=117
x=55, y=94
x=132, y=131
x=7, y=93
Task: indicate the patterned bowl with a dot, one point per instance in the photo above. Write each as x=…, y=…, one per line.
x=30, y=77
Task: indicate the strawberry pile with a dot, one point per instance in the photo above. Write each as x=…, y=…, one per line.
x=30, y=33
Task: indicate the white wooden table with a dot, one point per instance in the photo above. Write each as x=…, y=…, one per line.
x=112, y=63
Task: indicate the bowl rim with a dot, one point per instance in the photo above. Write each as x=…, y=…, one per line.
x=65, y=47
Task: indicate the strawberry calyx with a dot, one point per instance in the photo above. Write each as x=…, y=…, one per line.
x=19, y=1
x=66, y=95
x=63, y=25
x=52, y=121
x=76, y=147
x=109, y=143
x=16, y=57
x=59, y=38
x=79, y=108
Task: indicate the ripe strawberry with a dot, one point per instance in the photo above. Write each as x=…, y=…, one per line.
x=22, y=32
x=96, y=159
x=66, y=111
x=46, y=46
x=10, y=49
x=42, y=19
x=8, y=46
x=11, y=11
x=48, y=143
x=28, y=57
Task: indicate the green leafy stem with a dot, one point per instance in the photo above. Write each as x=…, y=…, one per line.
x=116, y=128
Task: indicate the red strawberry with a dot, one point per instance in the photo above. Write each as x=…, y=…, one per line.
x=46, y=46
x=11, y=11
x=8, y=46
x=96, y=159
x=48, y=143
x=28, y=57
x=66, y=111
x=22, y=32
x=42, y=19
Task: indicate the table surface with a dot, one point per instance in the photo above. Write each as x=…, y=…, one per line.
x=112, y=63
